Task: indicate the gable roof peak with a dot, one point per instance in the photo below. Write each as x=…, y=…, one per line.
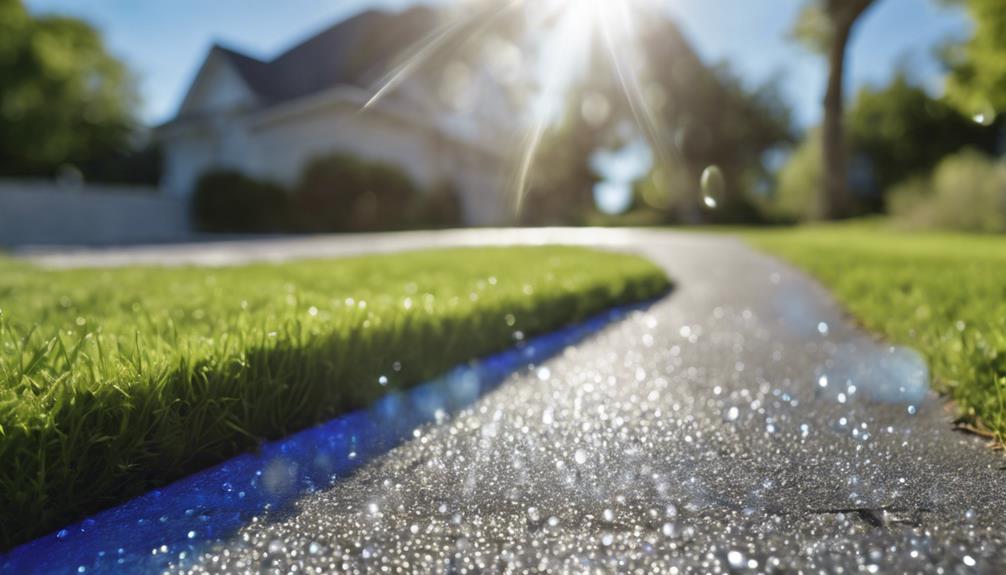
x=345, y=53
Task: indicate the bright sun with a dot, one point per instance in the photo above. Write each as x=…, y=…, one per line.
x=561, y=37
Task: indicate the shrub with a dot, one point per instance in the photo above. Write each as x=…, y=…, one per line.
x=797, y=196
x=438, y=208
x=227, y=201
x=343, y=193
x=966, y=192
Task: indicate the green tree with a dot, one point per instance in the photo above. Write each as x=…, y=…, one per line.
x=711, y=120
x=562, y=181
x=63, y=98
x=977, y=81
x=896, y=133
x=900, y=131
x=704, y=115
x=560, y=191
x=826, y=26
x=796, y=196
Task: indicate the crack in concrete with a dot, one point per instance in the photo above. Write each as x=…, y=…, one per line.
x=879, y=517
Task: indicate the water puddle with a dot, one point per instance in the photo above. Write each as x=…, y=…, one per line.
x=887, y=374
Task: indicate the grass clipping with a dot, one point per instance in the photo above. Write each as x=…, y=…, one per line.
x=115, y=381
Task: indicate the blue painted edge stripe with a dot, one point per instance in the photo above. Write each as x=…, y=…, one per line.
x=171, y=526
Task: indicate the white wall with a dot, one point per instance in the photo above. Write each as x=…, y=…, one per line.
x=283, y=146
x=43, y=213
x=211, y=130
x=485, y=195
x=186, y=156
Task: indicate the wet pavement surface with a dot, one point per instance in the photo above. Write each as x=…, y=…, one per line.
x=742, y=424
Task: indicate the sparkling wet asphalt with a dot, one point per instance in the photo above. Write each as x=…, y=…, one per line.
x=740, y=425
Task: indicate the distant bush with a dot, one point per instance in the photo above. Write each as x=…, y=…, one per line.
x=437, y=208
x=337, y=193
x=139, y=166
x=343, y=193
x=227, y=201
x=797, y=196
x=966, y=192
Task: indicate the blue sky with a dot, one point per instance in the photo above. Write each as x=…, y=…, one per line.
x=164, y=40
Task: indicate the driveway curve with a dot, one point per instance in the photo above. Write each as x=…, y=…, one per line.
x=743, y=424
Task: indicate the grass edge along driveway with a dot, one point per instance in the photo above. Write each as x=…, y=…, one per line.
x=943, y=294
x=115, y=381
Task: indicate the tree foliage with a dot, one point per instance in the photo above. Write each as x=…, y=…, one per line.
x=813, y=28
x=903, y=131
x=712, y=119
x=703, y=114
x=797, y=197
x=821, y=22
x=562, y=181
x=896, y=133
x=977, y=81
x=63, y=98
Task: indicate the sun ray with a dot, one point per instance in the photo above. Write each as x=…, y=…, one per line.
x=646, y=119
x=530, y=151
x=560, y=34
x=432, y=44
x=567, y=42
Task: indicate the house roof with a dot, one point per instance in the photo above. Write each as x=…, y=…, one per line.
x=352, y=52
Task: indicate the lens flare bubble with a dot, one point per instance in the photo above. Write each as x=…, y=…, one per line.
x=984, y=116
x=713, y=186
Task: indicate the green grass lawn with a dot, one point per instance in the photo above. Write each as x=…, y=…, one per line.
x=115, y=381
x=943, y=294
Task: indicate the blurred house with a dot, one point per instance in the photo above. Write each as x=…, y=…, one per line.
x=268, y=119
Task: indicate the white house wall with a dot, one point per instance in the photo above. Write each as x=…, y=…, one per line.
x=283, y=148
x=186, y=157
x=218, y=87
x=483, y=196
x=233, y=147
x=222, y=127
x=211, y=134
